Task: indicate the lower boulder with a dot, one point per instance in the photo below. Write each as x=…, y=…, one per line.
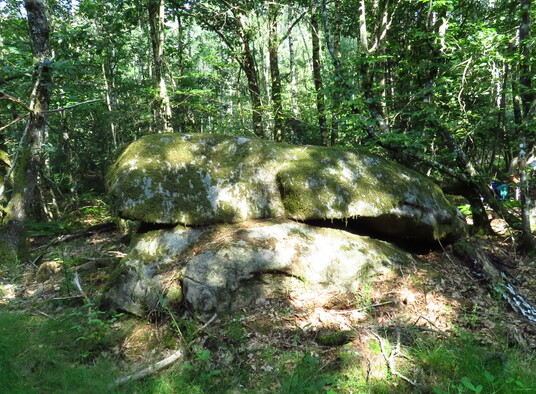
x=223, y=268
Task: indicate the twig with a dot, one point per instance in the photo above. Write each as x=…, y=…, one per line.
x=64, y=298
x=76, y=282
x=46, y=315
x=391, y=358
x=206, y=324
x=428, y=320
x=365, y=307
x=79, y=234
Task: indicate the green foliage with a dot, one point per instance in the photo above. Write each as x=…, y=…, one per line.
x=465, y=209
x=305, y=377
x=93, y=327
x=11, y=269
x=48, y=229
x=462, y=365
x=89, y=208
x=39, y=354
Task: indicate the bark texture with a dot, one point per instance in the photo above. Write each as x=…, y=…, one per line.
x=13, y=242
x=162, y=108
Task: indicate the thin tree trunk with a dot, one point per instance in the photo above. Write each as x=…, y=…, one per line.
x=293, y=79
x=109, y=105
x=252, y=76
x=5, y=165
x=336, y=96
x=13, y=243
x=273, y=48
x=317, y=76
x=332, y=32
x=162, y=108
x=527, y=101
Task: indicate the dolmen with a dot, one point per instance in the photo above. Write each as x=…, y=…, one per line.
x=235, y=220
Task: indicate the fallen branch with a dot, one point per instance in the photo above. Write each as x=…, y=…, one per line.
x=498, y=280
x=46, y=315
x=79, y=234
x=151, y=369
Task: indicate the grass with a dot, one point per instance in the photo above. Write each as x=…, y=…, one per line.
x=462, y=365
x=71, y=354
x=42, y=355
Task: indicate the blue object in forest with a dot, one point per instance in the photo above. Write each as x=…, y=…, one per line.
x=500, y=189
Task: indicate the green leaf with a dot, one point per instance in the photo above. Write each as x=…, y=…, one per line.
x=520, y=384
x=203, y=356
x=467, y=383
x=489, y=377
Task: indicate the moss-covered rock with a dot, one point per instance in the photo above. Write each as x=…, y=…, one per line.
x=205, y=179
x=151, y=272
x=226, y=267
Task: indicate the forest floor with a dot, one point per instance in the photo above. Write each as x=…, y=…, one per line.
x=431, y=327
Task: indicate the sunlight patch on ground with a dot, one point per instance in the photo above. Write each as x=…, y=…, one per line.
x=7, y=292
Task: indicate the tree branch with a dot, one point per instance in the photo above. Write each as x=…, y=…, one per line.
x=15, y=121
x=5, y=96
x=285, y=36
x=161, y=364
x=71, y=106
x=11, y=78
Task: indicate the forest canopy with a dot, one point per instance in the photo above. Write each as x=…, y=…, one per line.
x=444, y=87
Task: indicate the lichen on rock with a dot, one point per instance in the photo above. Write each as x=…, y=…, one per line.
x=224, y=267
x=204, y=179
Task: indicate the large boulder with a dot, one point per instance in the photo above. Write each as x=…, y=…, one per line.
x=223, y=268
x=206, y=179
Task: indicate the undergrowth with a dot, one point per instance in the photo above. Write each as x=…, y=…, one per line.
x=71, y=353
x=64, y=346
x=43, y=355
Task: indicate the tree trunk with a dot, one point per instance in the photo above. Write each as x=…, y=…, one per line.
x=13, y=243
x=248, y=65
x=333, y=41
x=317, y=76
x=527, y=102
x=110, y=104
x=293, y=79
x=5, y=165
x=273, y=48
x=162, y=108
x=336, y=95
